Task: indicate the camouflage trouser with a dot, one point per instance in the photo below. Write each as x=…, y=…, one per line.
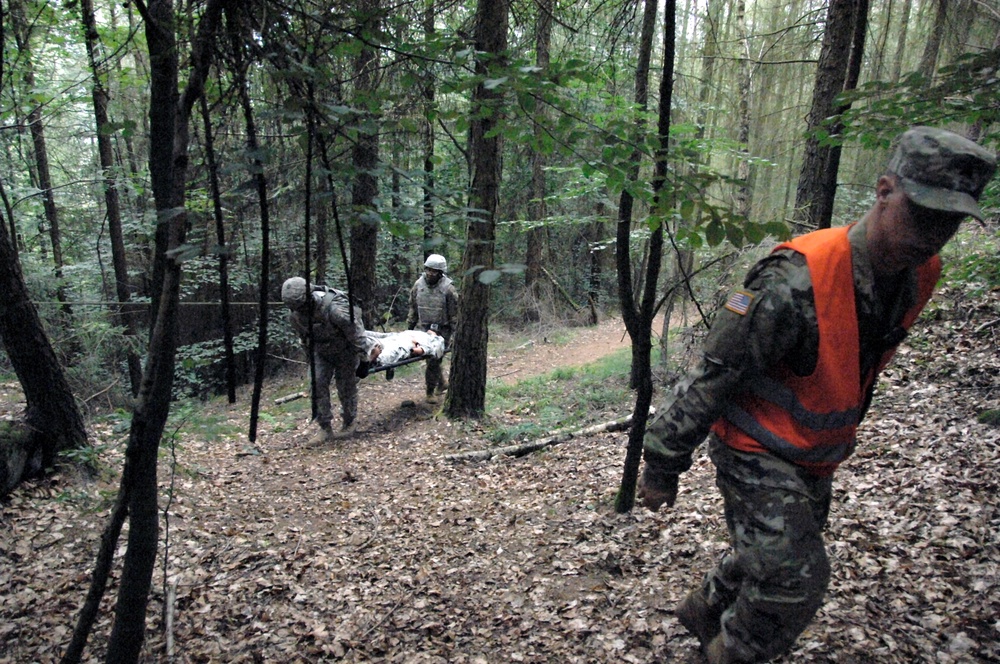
x=772, y=581
x=341, y=367
x=434, y=375
x=434, y=371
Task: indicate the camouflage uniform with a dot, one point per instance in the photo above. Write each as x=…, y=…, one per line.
x=769, y=586
x=434, y=307
x=338, y=346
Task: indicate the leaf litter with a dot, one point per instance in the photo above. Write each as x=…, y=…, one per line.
x=378, y=550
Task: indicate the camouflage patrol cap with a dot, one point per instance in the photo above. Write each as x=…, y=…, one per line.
x=293, y=291
x=941, y=170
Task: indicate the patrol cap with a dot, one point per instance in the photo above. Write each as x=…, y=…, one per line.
x=293, y=291
x=941, y=170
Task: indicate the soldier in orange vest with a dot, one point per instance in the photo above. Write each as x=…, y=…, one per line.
x=786, y=376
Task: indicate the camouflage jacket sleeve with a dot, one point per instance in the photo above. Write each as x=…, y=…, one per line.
x=766, y=321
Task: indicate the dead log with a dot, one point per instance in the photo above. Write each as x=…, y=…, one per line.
x=559, y=436
x=291, y=397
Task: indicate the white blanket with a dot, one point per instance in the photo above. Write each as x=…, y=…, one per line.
x=398, y=346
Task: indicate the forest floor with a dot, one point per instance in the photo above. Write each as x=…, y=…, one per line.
x=380, y=549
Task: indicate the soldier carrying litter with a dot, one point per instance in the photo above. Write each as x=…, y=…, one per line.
x=339, y=347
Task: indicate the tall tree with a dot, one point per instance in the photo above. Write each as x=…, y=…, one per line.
x=428, y=85
x=112, y=202
x=831, y=74
x=932, y=47
x=365, y=156
x=467, y=395
x=170, y=113
x=23, y=25
x=537, y=209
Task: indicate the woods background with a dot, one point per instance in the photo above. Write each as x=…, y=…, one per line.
x=350, y=121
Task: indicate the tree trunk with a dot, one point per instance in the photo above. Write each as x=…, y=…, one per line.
x=623, y=251
x=428, y=137
x=467, y=395
x=365, y=156
x=22, y=38
x=824, y=213
x=51, y=414
x=898, y=56
x=169, y=138
x=537, y=208
x=928, y=61
x=641, y=332
x=112, y=203
x=223, y=249
x=743, y=114
x=831, y=73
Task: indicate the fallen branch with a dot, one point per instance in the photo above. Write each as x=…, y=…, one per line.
x=291, y=397
x=560, y=436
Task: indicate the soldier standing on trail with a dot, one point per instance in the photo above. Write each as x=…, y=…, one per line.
x=787, y=374
x=434, y=307
x=338, y=348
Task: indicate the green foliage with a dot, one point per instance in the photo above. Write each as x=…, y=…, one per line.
x=970, y=261
x=963, y=92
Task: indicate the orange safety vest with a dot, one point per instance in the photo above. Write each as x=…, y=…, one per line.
x=811, y=420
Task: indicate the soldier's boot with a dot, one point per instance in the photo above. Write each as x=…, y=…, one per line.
x=346, y=432
x=432, y=397
x=322, y=434
x=699, y=618
x=717, y=653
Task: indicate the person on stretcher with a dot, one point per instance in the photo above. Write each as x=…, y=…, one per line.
x=388, y=348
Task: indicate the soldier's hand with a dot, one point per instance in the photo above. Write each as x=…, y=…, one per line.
x=653, y=497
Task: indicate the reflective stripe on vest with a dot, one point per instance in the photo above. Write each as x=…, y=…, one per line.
x=812, y=420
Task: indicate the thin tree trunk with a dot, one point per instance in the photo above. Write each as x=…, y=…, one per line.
x=223, y=249
x=537, y=207
x=467, y=395
x=428, y=136
x=897, y=60
x=43, y=173
x=365, y=157
x=169, y=117
x=626, y=288
x=111, y=200
x=641, y=337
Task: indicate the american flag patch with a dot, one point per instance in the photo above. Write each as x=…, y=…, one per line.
x=739, y=302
